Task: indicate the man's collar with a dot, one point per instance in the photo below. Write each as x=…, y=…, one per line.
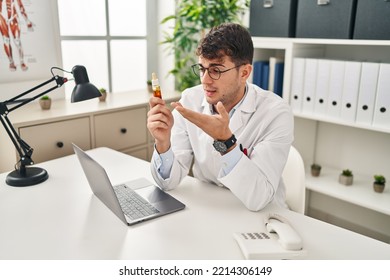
x=213, y=111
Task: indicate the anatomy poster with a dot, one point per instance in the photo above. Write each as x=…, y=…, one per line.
x=29, y=40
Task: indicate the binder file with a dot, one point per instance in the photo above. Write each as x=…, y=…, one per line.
x=350, y=90
x=256, y=79
x=337, y=71
x=367, y=92
x=322, y=87
x=259, y=67
x=272, y=65
x=278, y=81
x=265, y=76
x=382, y=102
x=309, y=85
x=298, y=73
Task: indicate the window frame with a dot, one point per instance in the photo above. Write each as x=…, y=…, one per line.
x=151, y=38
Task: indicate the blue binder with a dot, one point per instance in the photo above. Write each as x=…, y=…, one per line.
x=260, y=73
x=278, y=82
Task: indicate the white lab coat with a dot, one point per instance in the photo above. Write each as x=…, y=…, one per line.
x=263, y=124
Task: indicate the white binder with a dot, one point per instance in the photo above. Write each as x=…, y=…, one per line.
x=350, y=90
x=382, y=102
x=367, y=92
x=298, y=72
x=322, y=86
x=337, y=71
x=309, y=85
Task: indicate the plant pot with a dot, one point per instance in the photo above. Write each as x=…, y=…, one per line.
x=150, y=89
x=45, y=104
x=345, y=180
x=378, y=187
x=103, y=96
x=315, y=172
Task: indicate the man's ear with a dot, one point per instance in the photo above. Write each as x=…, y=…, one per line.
x=246, y=70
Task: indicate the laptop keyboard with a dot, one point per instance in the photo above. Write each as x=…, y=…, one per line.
x=133, y=205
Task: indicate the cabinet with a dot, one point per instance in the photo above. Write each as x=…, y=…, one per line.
x=118, y=123
x=121, y=130
x=338, y=144
x=53, y=140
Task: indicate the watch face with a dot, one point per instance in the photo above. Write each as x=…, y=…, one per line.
x=220, y=146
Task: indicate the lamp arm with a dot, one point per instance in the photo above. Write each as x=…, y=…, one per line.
x=59, y=80
x=23, y=149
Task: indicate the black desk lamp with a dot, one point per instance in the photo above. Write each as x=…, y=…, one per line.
x=26, y=176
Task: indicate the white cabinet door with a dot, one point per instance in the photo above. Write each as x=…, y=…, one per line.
x=53, y=140
x=122, y=129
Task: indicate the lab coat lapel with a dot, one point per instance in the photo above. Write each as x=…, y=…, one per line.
x=244, y=112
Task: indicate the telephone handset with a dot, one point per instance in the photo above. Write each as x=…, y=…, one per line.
x=287, y=236
x=280, y=241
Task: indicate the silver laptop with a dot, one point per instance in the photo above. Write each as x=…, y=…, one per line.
x=134, y=201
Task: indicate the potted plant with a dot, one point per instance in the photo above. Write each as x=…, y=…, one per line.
x=346, y=177
x=45, y=102
x=315, y=170
x=192, y=19
x=379, y=183
x=103, y=91
x=149, y=84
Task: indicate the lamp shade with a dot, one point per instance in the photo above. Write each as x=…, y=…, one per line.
x=83, y=90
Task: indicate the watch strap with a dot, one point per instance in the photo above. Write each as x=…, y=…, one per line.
x=224, y=145
x=230, y=142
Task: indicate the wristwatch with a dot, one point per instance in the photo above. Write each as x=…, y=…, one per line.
x=223, y=146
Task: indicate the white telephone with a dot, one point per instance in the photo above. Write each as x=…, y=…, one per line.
x=280, y=242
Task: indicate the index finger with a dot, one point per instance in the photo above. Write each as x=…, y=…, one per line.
x=194, y=117
x=153, y=101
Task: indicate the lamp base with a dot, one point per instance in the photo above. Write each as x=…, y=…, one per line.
x=33, y=176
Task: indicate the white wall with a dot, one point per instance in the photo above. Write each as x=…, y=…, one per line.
x=165, y=60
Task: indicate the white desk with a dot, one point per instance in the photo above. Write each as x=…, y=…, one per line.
x=61, y=219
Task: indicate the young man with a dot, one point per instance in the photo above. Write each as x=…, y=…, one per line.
x=236, y=134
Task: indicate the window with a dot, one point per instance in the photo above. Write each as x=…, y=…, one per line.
x=108, y=37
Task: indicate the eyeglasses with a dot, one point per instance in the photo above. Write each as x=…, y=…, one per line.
x=213, y=71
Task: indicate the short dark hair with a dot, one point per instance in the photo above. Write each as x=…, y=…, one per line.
x=227, y=39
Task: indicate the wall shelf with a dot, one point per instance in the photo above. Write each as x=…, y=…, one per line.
x=340, y=122
x=360, y=192
x=335, y=143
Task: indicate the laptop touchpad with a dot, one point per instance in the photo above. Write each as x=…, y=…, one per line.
x=152, y=193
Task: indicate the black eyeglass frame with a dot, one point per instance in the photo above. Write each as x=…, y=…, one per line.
x=220, y=72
